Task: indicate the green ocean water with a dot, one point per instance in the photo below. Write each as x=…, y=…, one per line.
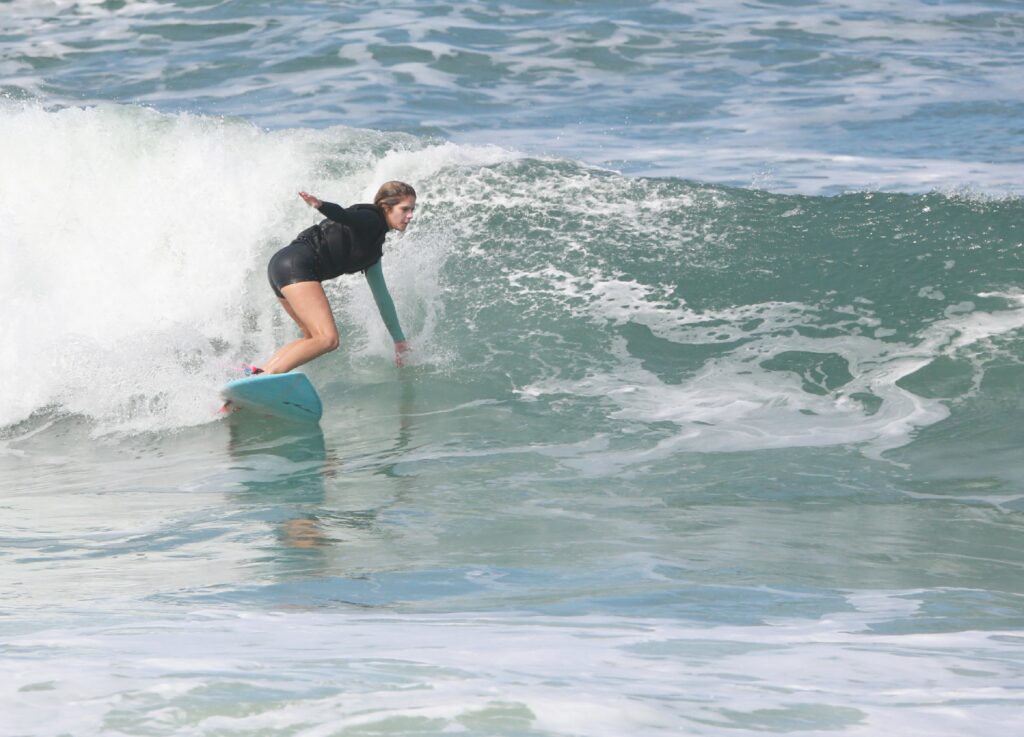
x=668, y=456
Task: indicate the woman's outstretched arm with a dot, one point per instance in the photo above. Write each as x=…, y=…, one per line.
x=327, y=209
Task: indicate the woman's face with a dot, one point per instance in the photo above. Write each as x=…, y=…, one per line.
x=398, y=216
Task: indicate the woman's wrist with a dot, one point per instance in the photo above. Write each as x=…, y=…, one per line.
x=401, y=347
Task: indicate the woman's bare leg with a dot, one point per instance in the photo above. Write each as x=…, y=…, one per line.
x=291, y=313
x=306, y=303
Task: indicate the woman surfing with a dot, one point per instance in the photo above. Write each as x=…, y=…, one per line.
x=351, y=239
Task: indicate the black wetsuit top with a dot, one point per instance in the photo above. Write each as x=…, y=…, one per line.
x=350, y=240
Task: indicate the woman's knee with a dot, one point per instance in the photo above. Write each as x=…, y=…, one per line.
x=328, y=342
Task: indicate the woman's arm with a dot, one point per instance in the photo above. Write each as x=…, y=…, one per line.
x=381, y=295
x=327, y=209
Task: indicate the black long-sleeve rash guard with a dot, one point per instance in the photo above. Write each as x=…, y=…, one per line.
x=353, y=238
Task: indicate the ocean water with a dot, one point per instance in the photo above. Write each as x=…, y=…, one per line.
x=712, y=422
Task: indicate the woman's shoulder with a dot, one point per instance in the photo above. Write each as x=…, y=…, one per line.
x=369, y=214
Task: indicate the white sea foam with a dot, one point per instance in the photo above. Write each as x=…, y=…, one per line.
x=318, y=672
x=736, y=402
x=134, y=246
x=128, y=239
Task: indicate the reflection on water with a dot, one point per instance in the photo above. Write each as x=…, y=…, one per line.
x=406, y=412
x=294, y=478
x=299, y=451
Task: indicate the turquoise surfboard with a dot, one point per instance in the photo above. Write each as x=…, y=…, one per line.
x=288, y=396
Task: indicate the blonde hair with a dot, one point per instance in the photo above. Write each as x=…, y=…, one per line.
x=391, y=193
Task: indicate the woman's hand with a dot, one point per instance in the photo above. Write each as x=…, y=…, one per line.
x=312, y=201
x=401, y=347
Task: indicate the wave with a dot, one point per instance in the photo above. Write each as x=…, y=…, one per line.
x=134, y=245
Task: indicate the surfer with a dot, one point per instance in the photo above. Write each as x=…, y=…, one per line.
x=351, y=239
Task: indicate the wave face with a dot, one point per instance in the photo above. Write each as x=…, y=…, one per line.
x=735, y=320
x=136, y=244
